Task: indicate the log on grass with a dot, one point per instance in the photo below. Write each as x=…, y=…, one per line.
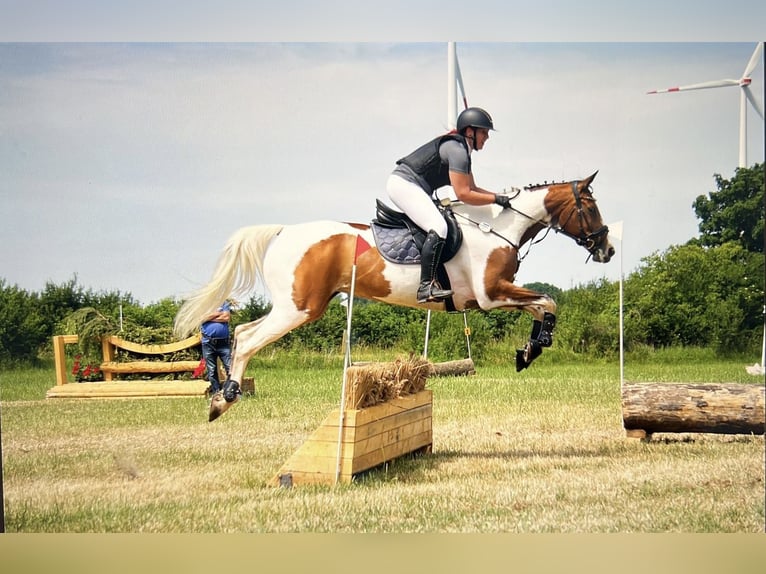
x=149, y=367
x=726, y=408
x=454, y=368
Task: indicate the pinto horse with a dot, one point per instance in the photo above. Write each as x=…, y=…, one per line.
x=305, y=265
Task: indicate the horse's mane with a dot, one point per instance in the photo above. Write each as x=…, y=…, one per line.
x=535, y=186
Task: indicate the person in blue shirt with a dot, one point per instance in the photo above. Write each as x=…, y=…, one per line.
x=216, y=344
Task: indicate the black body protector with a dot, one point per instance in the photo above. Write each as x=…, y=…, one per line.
x=426, y=162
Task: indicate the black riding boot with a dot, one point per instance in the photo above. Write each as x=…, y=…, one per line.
x=429, y=289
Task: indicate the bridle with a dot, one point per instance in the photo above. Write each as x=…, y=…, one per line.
x=590, y=241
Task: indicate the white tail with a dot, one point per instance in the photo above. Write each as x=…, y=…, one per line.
x=235, y=274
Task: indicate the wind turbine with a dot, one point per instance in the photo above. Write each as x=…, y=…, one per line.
x=454, y=80
x=745, y=94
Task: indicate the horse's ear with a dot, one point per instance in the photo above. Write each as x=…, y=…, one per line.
x=589, y=179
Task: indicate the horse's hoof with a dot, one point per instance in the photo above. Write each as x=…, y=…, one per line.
x=218, y=406
x=521, y=363
x=529, y=353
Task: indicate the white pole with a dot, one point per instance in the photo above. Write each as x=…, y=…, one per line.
x=428, y=330
x=615, y=231
x=622, y=327
x=451, y=85
x=467, y=332
x=763, y=348
x=346, y=364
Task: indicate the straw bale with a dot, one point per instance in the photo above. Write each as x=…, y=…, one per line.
x=374, y=383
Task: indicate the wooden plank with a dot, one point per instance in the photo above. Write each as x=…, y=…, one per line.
x=393, y=451
x=359, y=417
x=372, y=443
x=328, y=430
x=726, y=408
x=155, y=349
x=321, y=459
x=149, y=367
x=128, y=389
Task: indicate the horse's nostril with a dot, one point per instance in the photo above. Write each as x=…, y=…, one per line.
x=611, y=251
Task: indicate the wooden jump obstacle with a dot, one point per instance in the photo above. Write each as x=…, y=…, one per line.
x=731, y=408
x=370, y=436
x=110, y=388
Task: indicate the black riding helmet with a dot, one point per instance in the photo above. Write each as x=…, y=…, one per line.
x=474, y=118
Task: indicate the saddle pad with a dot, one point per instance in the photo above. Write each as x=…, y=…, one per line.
x=396, y=244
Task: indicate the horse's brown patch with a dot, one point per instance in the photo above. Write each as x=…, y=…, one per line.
x=370, y=281
x=325, y=269
x=499, y=272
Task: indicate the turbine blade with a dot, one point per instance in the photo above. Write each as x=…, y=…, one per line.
x=701, y=86
x=753, y=101
x=753, y=60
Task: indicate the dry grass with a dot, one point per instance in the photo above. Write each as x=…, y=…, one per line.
x=374, y=383
x=540, y=451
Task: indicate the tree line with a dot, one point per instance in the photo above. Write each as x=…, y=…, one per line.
x=708, y=292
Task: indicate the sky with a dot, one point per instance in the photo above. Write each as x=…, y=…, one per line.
x=127, y=164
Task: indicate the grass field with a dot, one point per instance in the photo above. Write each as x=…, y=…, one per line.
x=539, y=451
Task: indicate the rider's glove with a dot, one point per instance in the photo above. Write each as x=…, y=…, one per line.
x=503, y=200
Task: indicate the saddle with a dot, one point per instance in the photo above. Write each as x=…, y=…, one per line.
x=399, y=239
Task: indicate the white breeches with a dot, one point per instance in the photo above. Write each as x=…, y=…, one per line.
x=415, y=202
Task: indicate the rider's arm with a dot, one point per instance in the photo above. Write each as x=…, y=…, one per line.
x=467, y=191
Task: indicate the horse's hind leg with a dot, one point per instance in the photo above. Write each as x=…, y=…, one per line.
x=249, y=338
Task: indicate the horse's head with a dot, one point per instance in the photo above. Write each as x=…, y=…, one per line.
x=574, y=212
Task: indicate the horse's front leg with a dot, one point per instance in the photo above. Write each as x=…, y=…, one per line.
x=542, y=334
x=501, y=291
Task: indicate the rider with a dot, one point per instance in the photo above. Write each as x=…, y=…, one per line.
x=445, y=160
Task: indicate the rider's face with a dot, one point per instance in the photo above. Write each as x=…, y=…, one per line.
x=481, y=135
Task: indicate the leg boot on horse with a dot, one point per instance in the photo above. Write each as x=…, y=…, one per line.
x=430, y=257
x=542, y=336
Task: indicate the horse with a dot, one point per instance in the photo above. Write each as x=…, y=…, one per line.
x=305, y=265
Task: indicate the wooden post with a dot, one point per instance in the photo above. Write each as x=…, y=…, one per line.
x=107, y=355
x=691, y=407
x=59, y=356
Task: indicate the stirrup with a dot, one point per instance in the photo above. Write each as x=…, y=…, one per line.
x=432, y=292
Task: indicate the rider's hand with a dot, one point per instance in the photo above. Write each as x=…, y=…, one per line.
x=503, y=200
